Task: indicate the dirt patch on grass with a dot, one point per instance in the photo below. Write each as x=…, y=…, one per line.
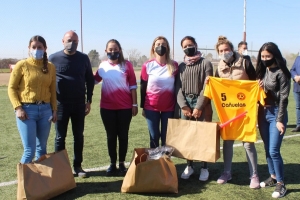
x=4, y=78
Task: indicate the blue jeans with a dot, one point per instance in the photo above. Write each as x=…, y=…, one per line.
x=297, y=101
x=34, y=131
x=272, y=139
x=154, y=118
x=75, y=112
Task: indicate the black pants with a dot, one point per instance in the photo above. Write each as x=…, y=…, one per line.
x=116, y=123
x=75, y=112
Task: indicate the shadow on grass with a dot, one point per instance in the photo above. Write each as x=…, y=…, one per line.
x=240, y=177
x=291, y=126
x=83, y=189
x=290, y=191
x=240, y=174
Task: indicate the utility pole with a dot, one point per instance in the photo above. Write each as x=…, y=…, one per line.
x=244, y=38
x=81, y=25
x=173, y=25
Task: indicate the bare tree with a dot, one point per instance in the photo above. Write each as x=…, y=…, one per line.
x=290, y=58
x=133, y=56
x=209, y=57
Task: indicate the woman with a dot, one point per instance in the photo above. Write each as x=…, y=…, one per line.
x=118, y=102
x=157, y=90
x=190, y=83
x=274, y=77
x=32, y=92
x=235, y=67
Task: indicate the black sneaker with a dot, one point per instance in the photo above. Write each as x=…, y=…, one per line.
x=111, y=170
x=80, y=172
x=122, y=169
x=279, y=191
x=268, y=182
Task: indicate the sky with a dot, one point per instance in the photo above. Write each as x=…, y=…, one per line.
x=135, y=23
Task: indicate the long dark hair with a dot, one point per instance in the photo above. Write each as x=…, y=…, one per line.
x=45, y=58
x=279, y=60
x=121, y=57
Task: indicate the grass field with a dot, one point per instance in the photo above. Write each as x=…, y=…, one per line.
x=98, y=186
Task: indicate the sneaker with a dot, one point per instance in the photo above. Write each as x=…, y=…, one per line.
x=187, y=172
x=80, y=172
x=279, y=191
x=226, y=176
x=297, y=129
x=111, y=170
x=122, y=169
x=204, y=173
x=269, y=182
x=254, y=183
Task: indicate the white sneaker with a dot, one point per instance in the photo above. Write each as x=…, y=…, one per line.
x=204, y=174
x=187, y=172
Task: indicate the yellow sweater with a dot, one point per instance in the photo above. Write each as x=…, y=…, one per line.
x=29, y=84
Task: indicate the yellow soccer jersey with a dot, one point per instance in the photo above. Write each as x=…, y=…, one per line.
x=231, y=98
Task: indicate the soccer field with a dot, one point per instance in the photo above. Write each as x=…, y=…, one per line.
x=98, y=186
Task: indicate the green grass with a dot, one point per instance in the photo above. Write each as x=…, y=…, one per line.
x=4, y=70
x=98, y=186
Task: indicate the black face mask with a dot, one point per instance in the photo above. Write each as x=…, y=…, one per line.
x=268, y=63
x=190, y=51
x=113, y=55
x=161, y=50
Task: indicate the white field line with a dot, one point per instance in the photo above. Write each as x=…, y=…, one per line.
x=127, y=163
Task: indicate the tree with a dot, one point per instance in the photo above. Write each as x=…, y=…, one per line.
x=142, y=60
x=94, y=58
x=133, y=56
x=290, y=58
x=4, y=63
x=209, y=56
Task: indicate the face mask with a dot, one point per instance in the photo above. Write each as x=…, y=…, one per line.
x=245, y=53
x=113, y=55
x=268, y=63
x=190, y=51
x=71, y=46
x=161, y=50
x=36, y=53
x=226, y=56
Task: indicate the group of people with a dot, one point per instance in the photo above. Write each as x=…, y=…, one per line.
x=60, y=89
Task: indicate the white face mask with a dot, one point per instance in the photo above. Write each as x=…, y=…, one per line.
x=36, y=53
x=226, y=56
x=245, y=52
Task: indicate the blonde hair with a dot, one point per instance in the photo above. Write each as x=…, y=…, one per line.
x=223, y=40
x=169, y=62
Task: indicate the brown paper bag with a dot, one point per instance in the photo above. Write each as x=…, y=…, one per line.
x=194, y=140
x=150, y=176
x=50, y=176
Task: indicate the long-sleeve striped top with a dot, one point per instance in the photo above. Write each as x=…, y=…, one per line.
x=191, y=80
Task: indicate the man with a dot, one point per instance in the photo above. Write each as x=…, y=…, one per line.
x=74, y=79
x=243, y=50
x=295, y=72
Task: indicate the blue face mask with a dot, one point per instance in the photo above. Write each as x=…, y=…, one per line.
x=36, y=53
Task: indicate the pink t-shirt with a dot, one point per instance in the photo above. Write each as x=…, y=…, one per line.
x=117, y=81
x=160, y=93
